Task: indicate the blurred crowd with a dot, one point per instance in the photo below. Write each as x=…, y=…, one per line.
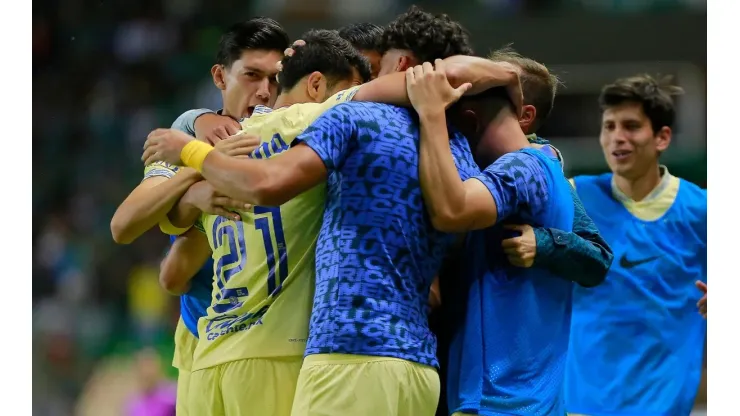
x=105, y=73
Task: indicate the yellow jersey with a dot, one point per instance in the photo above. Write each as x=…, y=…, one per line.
x=264, y=265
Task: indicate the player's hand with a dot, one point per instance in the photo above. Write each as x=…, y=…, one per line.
x=203, y=196
x=513, y=86
x=520, y=250
x=429, y=90
x=212, y=128
x=238, y=145
x=485, y=75
x=289, y=51
x=165, y=145
x=702, y=304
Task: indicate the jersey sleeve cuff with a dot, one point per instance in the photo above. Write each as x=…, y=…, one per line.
x=319, y=150
x=488, y=183
x=166, y=227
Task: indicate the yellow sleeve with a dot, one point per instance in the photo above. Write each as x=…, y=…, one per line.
x=166, y=227
x=163, y=169
x=336, y=99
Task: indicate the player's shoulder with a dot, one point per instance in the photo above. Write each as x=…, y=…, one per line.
x=693, y=190
x=369, y=109
x=524, y=159
x=601, y=179
x=692, y=196
x=363, y=105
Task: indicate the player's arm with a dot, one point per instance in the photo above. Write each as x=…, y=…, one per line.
x=453, y=205
x=514, y=180
x=185, y=258
x=582, y=256
x=148, y=204
x=268, y=182
x=482, y=73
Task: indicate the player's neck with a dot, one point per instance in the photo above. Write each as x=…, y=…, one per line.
x=509, y=136
x=292, y=96
x=284, y=100
x=638, y=188
x=229, y=112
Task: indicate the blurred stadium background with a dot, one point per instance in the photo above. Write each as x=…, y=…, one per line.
x=106, y=72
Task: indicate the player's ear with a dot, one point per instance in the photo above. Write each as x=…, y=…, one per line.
x=468, y=122
x=529, y=114
x=663, y=139
x=316, y=86
x=217, y=73
x=404, y=62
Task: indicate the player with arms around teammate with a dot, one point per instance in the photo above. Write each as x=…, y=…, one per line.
x=634, y=338
x=368, y=328
x=582, y=255
x=522, y=371
x=244, y=72
x=246, y=58
x=253, y=338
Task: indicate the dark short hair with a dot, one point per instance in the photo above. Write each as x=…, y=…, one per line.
x=256, y=33
x=492, y=101
x=427, y=36
x=363, y=36
x=655, y=96
x=486, y=105
x=539, y=86
x=326, y=52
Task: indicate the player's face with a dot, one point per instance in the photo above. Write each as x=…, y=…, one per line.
x=630, y=145
x=251, y=81
x=374, y=58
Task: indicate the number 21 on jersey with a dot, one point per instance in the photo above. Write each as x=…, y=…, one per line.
x=231, y=234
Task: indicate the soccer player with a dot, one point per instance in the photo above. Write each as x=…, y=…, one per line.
x=253, y=338
x=581, y=255
x=376, y=254
x=520, y=372
x=365, y=37
x=417, y=36
x=634, y=338
x=244, y=71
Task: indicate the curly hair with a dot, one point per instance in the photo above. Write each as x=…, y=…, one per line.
x=655, y=96
x=427, y=36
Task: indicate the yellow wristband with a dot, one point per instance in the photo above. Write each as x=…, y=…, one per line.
x=194, y=153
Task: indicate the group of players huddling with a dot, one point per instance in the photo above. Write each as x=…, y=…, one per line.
x=378, y=177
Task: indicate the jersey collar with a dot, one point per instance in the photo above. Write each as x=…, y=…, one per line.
x=261, y=109
x=665, y=180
